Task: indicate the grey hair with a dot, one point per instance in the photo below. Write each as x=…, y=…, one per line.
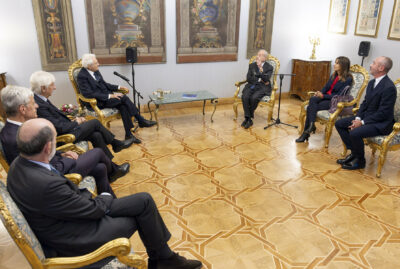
x=387, y=63
x=87, y=59
x=36, y=144
x=13, y=96
x=265, y=53
x=39, y=79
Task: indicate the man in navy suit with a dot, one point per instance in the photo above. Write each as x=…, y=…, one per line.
x=43, y=85
x=258, y=85
x=92, y=85
x=375, y=116
x=20, y=106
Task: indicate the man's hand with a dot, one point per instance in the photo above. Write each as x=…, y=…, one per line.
x=319, y=94
x=355, y=124
x=70, y=154
x=80, y=120
x=116, y=95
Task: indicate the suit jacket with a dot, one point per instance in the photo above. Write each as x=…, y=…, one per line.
x=91, y=88
x=50, y=112
x=377, y=108
x=339, y=86
x=254, y=74
x=8, y=137
x=66, y=220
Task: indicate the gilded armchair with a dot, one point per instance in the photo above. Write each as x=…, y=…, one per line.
x=25, y=239
x=105, y=115
x=389, y=142
x=268, y=101
x=360, y=80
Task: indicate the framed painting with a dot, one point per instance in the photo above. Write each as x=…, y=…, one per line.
x=114, y=25
x=261, y=18
x=368, y=17
x=207, y=30
x=338, y=14
x=394, y=30
x=56, y=36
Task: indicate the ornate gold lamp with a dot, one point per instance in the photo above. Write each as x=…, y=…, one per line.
x=315, y=41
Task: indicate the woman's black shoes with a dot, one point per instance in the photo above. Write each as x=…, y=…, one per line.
x=311, y=128
x=304, y=137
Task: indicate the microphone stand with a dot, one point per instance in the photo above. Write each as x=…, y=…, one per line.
x=135, y=92
x=277, y=121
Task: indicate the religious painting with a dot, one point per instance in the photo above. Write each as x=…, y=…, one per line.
x=114, y=25
x=55, y=30
x=338, y=14
x=207, y=30
x=261, y=18
x=368, y=17
x=394, y=30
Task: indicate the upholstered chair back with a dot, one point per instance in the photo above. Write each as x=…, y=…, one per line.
x=397, y=105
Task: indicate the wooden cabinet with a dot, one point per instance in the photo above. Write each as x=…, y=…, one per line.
x=310, y=76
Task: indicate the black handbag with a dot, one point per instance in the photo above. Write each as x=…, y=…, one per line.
x=344, y=96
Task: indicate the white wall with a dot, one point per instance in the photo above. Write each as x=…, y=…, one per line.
x=294, y=21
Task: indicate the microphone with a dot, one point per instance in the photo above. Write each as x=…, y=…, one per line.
x=121, y=76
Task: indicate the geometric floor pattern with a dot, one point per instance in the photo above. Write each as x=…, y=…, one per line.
x=236, y=198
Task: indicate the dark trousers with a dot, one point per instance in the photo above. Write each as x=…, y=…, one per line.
x=140, y=213
x=96, y=164
x=250, y=99
x=127, y=110
x=96, y=133
x=354, y=139
x=315, y=104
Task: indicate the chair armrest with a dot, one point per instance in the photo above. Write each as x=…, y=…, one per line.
x=91, y=101
x=122, y=91
x=396, y=127
x=311, y=93
x=355, y=110
x=65, y=138
x=74, y=177
x=69, y=146
x=238, y=84
x=119, y=248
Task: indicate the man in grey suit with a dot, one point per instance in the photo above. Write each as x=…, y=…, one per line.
x=67, y=220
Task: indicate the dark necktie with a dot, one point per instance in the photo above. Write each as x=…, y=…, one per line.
x=55, y=171
x=97, y=75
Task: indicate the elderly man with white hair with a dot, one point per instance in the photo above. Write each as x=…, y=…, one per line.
x=258, y=85
x=92, y=85
x=42, y=84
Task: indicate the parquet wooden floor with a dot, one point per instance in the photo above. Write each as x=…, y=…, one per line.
x=236, y=198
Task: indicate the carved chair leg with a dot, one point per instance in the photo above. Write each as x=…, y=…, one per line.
x=381, y=161
x=235, y=105
x=302, y=118
x=328, y=133
x=344, y=149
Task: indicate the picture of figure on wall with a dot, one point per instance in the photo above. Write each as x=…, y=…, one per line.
x=207, y=30
x=115, y=25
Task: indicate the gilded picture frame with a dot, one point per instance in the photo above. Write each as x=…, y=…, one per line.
x=338, y=16
x=261, y=18
x=56, y=35
x=207, y=30
x=368, y=18
x=113, y=25
x=394, y=30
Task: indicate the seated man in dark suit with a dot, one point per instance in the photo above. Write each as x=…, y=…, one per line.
x=68, y=221
x=42, y=84
x=258, y=86
x=20, y=106
x=375, y=116
x=92, y=85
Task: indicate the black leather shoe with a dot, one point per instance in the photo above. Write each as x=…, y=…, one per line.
x=304, y=137
x=120, y=145
x=311, y=128
x=147, y=123
x=354, y=164
x=248, y=124
x=244, y=122
x=121, y=171
x=347, y=159
x=174, y=262
x=135, y=139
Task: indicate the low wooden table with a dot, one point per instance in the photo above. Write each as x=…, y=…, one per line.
x=179, y=97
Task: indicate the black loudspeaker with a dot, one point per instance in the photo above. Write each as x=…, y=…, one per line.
x=131, y=54
x=363, y=50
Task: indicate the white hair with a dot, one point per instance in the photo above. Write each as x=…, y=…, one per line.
x=13, y=96
x=87, y=59
x=39, y=79
x=265, y=53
